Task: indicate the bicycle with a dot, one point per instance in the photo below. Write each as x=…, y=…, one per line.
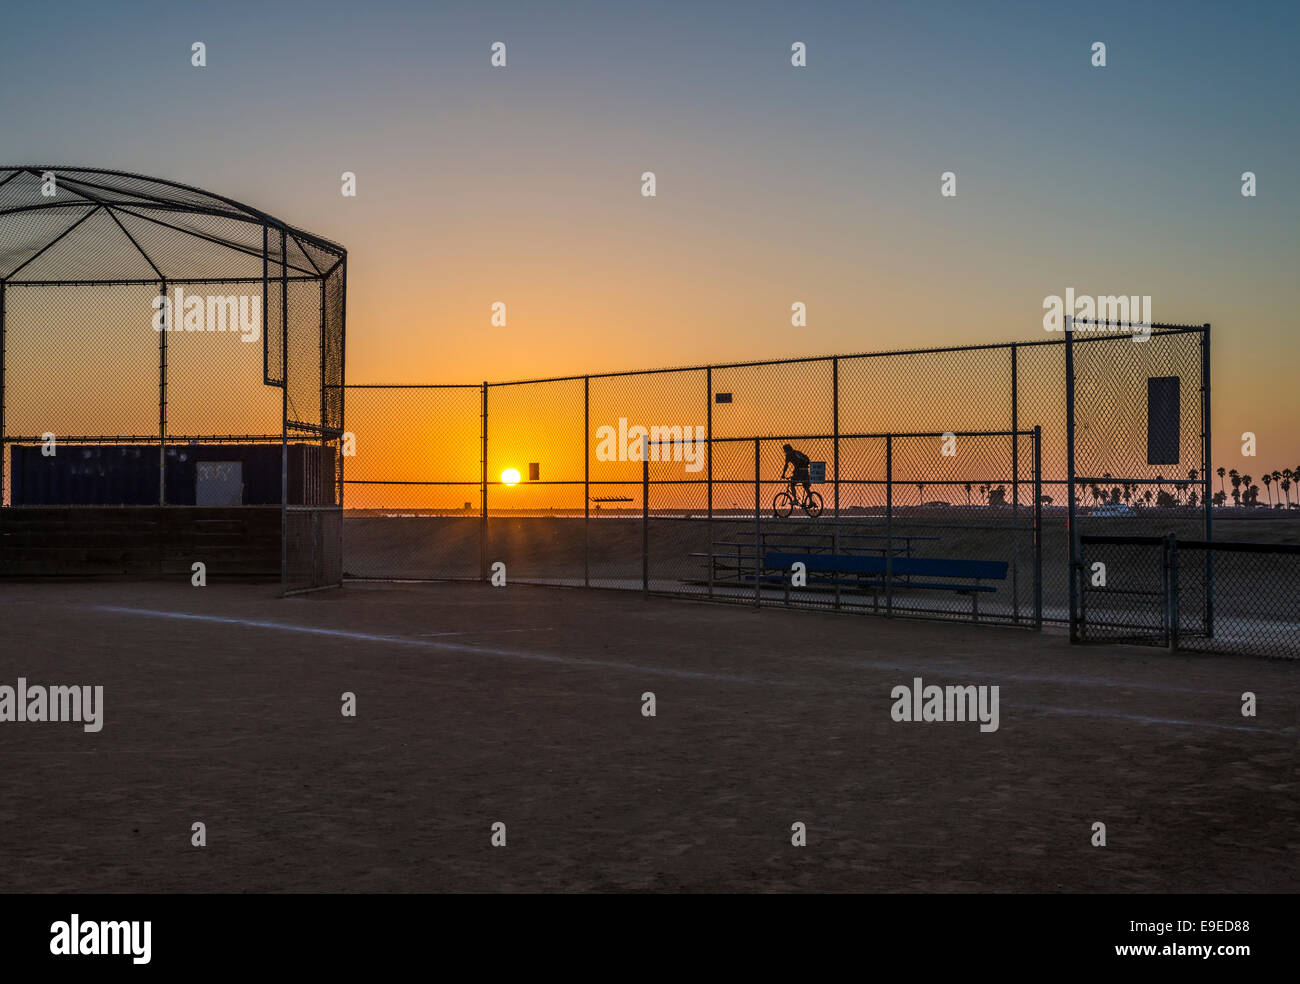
x=784, y=502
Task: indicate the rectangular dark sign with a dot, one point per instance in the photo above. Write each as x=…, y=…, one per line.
x=1163, y=420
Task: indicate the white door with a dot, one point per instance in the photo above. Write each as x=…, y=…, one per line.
x=219, y=483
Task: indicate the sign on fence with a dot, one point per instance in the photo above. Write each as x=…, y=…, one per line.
x=1163, y=420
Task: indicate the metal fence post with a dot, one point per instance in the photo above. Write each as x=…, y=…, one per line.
x=1083, y=593
x=162, y=398
x=1038, y=527
x=645, y=515
x=708, y=405
x=1069, y=476
x=758, y=533
x=586, y=481
x=889, y=525
x=324, y=423
x=1015, y=487
x=835, y=422
x=483, y=490
x=4, y=448
x=343, y=389
x=324, y=416
x=284, y=412
x=1171, y=590
x=1207, y=475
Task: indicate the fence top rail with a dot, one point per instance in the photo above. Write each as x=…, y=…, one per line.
x=408, y=386
x=1225, y=546
x=170, y=281
x=830, y=437
x=1156, y=329
x=1137, y=541
x=172, y=439
x=1228, y=546
x=1163, y=327
x=1133, y=480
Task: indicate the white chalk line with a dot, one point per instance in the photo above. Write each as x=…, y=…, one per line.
x=451, y=647
x=1147, y=719
x=431, y=635
x=947, y=666
x=520, y=654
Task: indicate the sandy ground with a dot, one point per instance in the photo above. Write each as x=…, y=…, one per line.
x=523, y=705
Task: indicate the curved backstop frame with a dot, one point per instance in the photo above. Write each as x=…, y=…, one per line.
x=154, y=334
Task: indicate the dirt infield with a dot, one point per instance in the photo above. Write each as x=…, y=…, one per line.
x=523, y=705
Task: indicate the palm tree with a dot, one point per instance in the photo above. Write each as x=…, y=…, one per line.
x=1245, y=481
x=1146, y=497
x=968, y=493
x=1221, y=489
x=1268, y=486
x=1254, y=495
x=920, y=493
x=1236, y=487
x=1286, y=489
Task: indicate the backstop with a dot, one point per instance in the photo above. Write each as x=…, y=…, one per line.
x=171, y=382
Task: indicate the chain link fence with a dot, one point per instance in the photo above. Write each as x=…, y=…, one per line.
x=1138, y=424
x=422, y=453
x=880, y=526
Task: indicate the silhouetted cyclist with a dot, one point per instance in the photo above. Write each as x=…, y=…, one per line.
x=800, y=475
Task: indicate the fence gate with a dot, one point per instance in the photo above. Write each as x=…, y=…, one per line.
x=1191, y=595
x=1127, y=590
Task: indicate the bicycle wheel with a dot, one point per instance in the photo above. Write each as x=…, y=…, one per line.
x=813, y=504
x=783, y=505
